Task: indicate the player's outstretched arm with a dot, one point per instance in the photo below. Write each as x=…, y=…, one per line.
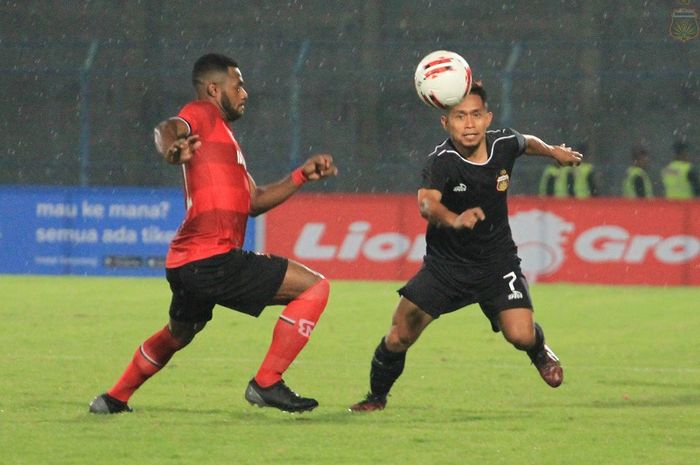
x=433, y=210
x=264, y=198
x=564, y=155
x=174, y=142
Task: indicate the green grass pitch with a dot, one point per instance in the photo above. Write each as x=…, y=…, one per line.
x=631, y=393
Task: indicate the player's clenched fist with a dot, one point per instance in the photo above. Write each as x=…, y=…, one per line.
x=468, y=218
x=319, y=166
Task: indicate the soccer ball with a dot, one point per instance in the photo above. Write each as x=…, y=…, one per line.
x=443, y=79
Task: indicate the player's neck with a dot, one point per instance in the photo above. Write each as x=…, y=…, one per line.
x=476, y=154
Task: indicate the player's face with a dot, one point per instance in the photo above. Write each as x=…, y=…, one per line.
x=467, y=122
x=233, y=96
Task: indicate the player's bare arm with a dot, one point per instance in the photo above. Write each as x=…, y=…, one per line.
x=174, y=142
x=432, y=209
x=564, y=155
x=264, y=198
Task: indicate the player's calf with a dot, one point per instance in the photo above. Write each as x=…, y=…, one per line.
x=292, y=332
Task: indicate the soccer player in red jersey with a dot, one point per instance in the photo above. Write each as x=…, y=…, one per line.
x=205, y=264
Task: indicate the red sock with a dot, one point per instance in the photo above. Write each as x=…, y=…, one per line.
x=292, y=332
x=149, y=358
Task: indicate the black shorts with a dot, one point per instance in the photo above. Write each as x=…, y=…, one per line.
x=440, y=288
x=240, y=280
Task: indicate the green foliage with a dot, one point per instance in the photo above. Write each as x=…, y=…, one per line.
x=630, y=394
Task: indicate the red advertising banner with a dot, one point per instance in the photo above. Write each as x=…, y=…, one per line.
x=348, y=236
x=607, y=241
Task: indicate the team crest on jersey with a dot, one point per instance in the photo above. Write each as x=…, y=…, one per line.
x=503, y=181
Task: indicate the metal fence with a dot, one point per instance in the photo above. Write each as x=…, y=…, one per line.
x=83, y=83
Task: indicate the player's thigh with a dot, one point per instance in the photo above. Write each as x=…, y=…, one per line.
x=297, y=279
x=187, y=306
x=509, y=291
x=240, y=280
x=435, y=291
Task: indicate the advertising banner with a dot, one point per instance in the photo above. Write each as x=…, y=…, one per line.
x=126, y=231
x=90, y=231
x=349, y=236
x=607, y=241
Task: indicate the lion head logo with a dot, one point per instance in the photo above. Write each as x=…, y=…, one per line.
x=540, y=237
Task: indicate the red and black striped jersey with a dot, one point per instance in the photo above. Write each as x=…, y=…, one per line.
x=217, y=191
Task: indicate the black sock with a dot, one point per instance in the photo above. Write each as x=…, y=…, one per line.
x=539, y=341
x=387, y=366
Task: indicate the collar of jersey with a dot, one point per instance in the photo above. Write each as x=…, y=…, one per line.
x=453, y=150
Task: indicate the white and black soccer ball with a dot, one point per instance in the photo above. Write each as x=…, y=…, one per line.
x=442, y=79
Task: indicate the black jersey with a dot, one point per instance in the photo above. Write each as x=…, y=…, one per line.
x=464, y=185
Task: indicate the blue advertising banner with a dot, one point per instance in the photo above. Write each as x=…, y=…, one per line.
x=90, y=231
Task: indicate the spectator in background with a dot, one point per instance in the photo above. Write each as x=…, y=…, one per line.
x=585, y=177
x=637, y=184
x=680, y=178
x=557, y=181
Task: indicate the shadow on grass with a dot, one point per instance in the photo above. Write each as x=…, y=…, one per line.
x=322, y=415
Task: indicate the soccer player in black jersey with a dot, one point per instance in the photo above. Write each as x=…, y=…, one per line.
x=470, y=256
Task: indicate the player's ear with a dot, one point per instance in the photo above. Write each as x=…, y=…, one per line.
x=489, y=118
x=212, y=89
x=443, y=121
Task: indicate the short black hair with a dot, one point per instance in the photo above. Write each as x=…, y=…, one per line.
x=211, y=62
x=478, y=89
x=638, y=151
x=680, y=147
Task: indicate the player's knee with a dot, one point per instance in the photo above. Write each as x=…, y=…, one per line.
x=393, y=341
x=318, y=292
x=324, y=288
x=405, y=341
x=397, y=341
x=311, y=303
x=185, y=332
x=522, y=337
